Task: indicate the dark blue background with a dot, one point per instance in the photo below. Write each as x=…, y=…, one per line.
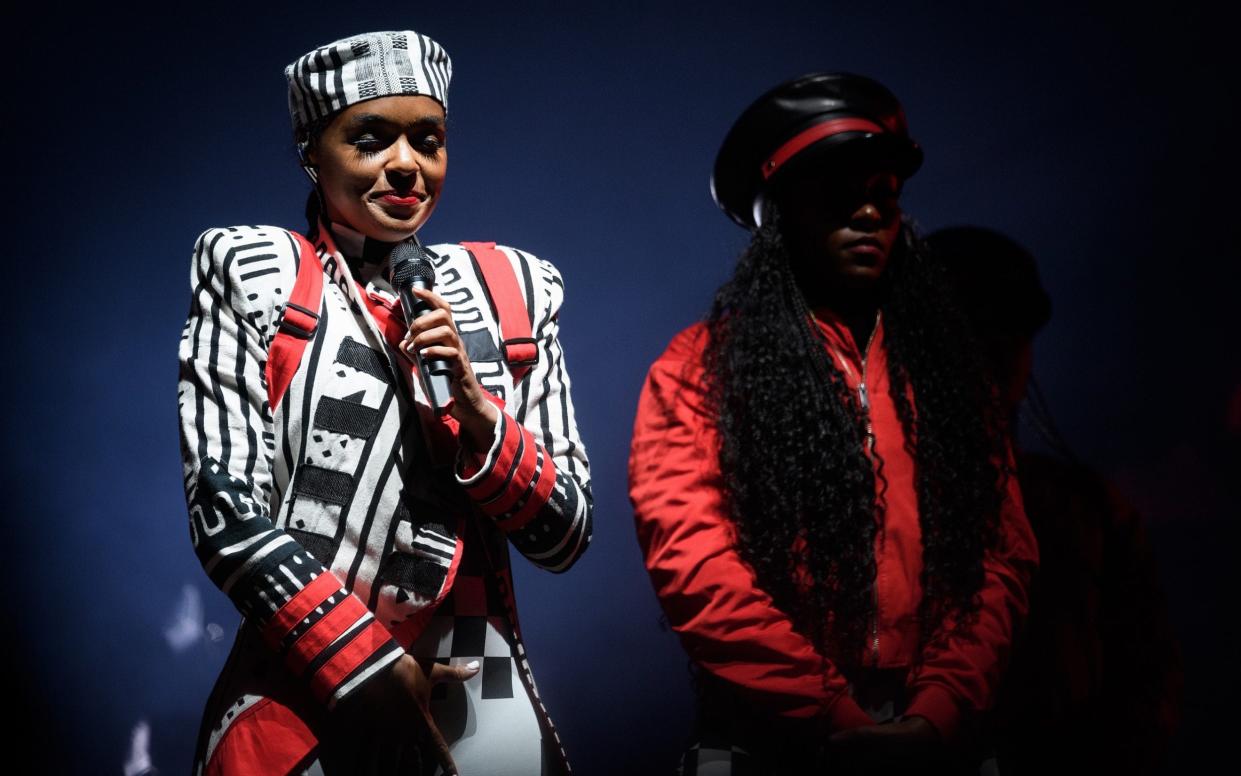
x=1103, y=138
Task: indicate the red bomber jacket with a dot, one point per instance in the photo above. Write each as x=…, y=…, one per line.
x=731, y=627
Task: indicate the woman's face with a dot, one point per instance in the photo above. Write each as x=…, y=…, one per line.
x=382, y=163
x=841, y=223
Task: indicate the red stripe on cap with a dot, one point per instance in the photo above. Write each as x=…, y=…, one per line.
x=801, y=140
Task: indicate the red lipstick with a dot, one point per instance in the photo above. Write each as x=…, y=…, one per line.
x=409, y=200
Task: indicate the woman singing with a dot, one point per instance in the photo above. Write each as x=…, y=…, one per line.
x=820, y=492
x=359, y=520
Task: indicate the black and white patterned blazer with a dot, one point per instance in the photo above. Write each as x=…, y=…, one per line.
x=333, y=521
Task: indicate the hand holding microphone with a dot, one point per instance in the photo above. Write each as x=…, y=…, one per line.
x=435, y=347
x=411, y=269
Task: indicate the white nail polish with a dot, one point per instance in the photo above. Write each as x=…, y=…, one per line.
x=472, y=665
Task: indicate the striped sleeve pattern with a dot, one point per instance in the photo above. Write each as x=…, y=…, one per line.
x=535, y=479
x=324, y=633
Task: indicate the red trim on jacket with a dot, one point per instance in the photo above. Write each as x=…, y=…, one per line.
x=539, y=491
x=372, y=638
x=299, y=606
x=266, y=738
x=731, y=627
x=329, y=626
x=514, y=474
x=320, y=636
x=512, y=318
x=494, y=492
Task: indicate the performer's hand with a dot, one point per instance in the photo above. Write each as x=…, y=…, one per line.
x=418, y=681
x=393, y=706
x=434, y=334
x=908, y=746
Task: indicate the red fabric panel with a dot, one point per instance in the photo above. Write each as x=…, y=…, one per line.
x=538, y=499
x=267, y=738
x=324, y=632
x=521, y=477
x=300, y=605
x=285, y=354
x=487, y=486
x=373, y=638
x=388, y=316
x=509, y=303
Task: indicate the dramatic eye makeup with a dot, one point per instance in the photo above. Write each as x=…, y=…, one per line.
x=371, y=133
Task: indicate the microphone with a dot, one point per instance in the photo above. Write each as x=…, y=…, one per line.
x=411, y=268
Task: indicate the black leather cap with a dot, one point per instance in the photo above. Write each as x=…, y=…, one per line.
x=804, y=121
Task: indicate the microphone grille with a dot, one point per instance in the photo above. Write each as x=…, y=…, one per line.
x=409, y=263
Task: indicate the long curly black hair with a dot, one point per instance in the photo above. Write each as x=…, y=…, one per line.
x=792, y=438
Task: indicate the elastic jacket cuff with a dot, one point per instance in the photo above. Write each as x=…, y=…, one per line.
x=844, y=713
x=937, y=706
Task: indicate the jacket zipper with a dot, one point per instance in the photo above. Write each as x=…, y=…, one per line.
x=869, y=446
x=864, y=399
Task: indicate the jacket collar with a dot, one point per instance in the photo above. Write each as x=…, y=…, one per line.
x=853, y=358
x=366, y=256
x=363, y=258
x=340, y=268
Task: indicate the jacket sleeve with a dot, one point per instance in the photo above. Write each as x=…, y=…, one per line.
x=534, y=481
x=727, y=624
x=962, y=672
x=324, y=633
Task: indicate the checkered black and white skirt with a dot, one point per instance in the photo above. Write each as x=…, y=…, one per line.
x=492, y=721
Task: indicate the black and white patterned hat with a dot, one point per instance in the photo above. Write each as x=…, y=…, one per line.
x=363, y=67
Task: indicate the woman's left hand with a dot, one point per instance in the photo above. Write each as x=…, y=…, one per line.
x=908, y=746
x=434, y=334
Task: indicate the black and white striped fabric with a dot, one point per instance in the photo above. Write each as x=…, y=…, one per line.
x=363, y=67
x=343, y=489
